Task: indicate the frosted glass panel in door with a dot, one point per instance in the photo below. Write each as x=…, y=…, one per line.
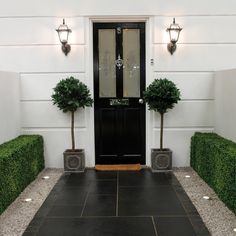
x=107, y=55
x=131, y=68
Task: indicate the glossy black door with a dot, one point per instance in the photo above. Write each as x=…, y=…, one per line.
x=119, y=79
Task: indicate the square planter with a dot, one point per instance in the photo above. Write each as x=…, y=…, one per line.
x=161, y=160
x=74, y=161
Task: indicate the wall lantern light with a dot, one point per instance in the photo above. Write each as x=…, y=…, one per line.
x=63, y=33
x=174, y=31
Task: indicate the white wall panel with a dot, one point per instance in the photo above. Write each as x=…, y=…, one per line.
x=122, y=7
x=40, y=86
x=57, y=141
x=45, y=114
x=188, y=114
x=195, y=57
x=37, y=30
x=178, y=140
x=42, y=59
x=225, y=109
x=197, y=29
x=9, y=106
x=191, y=85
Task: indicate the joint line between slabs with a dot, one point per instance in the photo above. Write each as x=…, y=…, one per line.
x=153, y=222
x=82, y=212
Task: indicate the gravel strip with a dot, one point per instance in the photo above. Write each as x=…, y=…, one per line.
x=219, y=220
x=15, y=219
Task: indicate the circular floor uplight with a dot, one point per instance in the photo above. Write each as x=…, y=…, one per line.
x=187, y=176
x=234, y=229
x=206, y=197
x=28, y=200
x=46, y=177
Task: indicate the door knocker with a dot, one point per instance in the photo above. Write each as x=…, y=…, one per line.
x=119, y=62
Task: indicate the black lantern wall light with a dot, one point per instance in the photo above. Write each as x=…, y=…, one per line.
x=174, y=31
x=63, y=34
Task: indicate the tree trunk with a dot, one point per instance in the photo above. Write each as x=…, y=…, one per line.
x=72, y=130
x=161, y=133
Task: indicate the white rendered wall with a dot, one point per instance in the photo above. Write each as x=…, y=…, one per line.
x=225, y=103
x=30, y=46
x=9, y=106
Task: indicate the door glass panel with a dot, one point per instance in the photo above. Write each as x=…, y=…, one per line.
x=131, y=68
x=107, y=70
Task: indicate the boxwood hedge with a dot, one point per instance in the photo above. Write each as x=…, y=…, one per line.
x=21, y=160
x=214, y=159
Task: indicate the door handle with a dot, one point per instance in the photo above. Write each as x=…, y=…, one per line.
x=141, y=101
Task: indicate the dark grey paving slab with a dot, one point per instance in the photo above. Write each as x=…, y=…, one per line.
x=146, y=178
x=102, y=175
x=26, y=233
x=116, y=226
x=100, y=205
x=103, y=187
x=85, y=179
x=34, y=225
x=93, y=175
x=71, y=196
x=199, y=226
x=65, y=211
x=140, y=201
x=174, y=226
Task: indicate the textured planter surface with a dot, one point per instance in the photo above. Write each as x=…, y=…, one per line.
x=161, y=160
x=74, y=161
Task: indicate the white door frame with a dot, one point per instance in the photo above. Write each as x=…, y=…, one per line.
x=90, y=153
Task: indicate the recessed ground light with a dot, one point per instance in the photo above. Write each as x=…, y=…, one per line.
x=234, y=230
x=206, y=198
x=28, y=200
x=45, y=177
x=187, y=176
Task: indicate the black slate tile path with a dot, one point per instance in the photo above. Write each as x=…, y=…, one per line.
x=117, y=203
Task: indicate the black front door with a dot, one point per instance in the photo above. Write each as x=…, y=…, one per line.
x=119, y=79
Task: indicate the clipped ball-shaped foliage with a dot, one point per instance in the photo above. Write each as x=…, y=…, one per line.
x=71, y=94
x=161, y=95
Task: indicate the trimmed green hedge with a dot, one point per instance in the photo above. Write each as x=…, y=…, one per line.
x=21, y=160
x=214, y=159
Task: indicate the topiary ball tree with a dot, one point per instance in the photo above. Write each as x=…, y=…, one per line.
x=69, y=95
x=161, y=95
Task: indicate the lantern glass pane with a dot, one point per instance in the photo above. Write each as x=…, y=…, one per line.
x=174, y=32
x=174, y=35
x=63, y=35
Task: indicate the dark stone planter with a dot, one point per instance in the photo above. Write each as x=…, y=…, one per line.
x=161, y=160
x=74, y=161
